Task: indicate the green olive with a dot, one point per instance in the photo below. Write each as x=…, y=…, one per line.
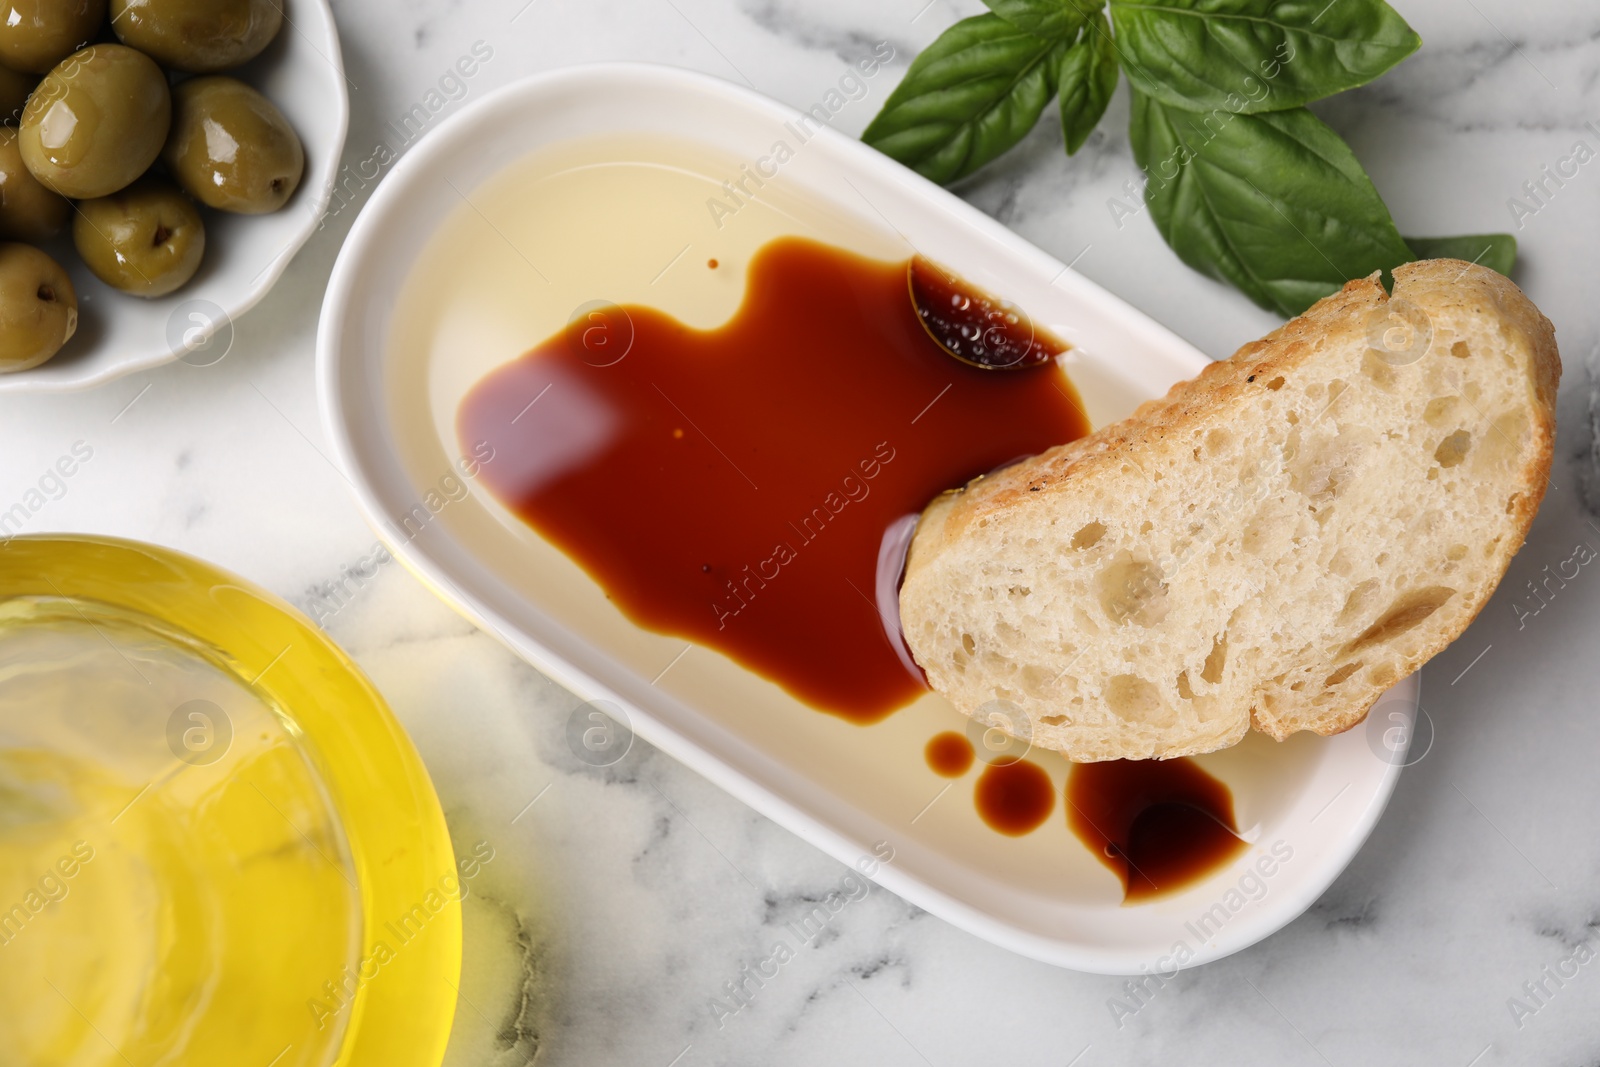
x=14, y=89
x=97, y=121
x=38, y=307
x=198, y=36
x=28, y=211
x=146, y=240
x=230, y=148
x=35, y=35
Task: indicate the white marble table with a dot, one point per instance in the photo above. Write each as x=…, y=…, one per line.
x=619, y=903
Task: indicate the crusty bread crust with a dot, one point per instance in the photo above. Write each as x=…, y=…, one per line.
x=1458, y=300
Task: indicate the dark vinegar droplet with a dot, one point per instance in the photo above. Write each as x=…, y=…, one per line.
x=973, y=326
x=1015, y=798
x=1160, y=825
x=711, y=263
x=949, y=754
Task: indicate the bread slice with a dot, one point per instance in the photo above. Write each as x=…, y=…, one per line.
x=1276, y=542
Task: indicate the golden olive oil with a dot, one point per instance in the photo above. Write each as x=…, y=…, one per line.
x=211, y=828
x=174, y=886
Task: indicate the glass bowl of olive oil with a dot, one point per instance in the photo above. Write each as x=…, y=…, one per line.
x=217, y=844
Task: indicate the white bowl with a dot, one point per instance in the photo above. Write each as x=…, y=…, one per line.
x=392, y=372
x=302, y=72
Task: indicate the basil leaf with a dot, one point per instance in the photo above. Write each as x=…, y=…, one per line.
x=1087, y=80
x=1061, y=19
x=1256, y=55
x=968, y=97
x=1275, y=203
x=1497, y=251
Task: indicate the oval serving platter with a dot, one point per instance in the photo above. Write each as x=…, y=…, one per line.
x=595, y=185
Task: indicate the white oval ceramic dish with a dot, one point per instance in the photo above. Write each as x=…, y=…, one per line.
x=302, y=72
x=596, y=183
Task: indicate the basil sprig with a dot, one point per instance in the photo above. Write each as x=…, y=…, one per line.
x=1243, y=182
